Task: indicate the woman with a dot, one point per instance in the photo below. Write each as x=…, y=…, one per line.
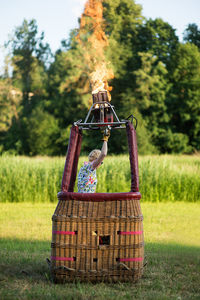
x=87, y=179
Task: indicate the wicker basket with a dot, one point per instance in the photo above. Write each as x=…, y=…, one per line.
x=97, y=237
x=97, y=240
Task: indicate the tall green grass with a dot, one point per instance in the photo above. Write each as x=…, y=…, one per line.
x=162, y=178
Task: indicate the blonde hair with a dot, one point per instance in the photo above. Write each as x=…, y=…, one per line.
x=94, y=154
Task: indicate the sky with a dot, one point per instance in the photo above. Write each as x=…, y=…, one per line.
x=57, y=17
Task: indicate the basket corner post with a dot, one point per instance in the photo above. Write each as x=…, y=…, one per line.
x=133, y=156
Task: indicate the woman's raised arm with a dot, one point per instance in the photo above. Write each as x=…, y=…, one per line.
x=104, y=151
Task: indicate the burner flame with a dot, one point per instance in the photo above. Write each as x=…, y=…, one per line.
x=94, y=41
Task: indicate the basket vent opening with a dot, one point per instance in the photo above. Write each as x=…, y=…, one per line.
x=104, y=240
x=95, y=259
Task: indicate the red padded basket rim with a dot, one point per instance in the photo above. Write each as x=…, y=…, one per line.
x=99, y=197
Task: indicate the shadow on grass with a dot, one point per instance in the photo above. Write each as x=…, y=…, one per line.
x=171, y=269
x=24, y=257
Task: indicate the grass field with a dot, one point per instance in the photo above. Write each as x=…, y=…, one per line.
x=172, y=250
x=162, y=178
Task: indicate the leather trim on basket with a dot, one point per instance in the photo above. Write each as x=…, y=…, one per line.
x=99, y=197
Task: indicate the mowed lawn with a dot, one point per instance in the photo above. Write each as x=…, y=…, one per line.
x=172, y=253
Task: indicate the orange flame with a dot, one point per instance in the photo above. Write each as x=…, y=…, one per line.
x=94, y=42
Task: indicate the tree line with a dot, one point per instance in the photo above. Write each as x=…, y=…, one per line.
x=157, y=78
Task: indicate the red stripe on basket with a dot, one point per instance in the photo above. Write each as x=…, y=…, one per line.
x=64, y=232
x=131, y=259
x=130, y=232
x=62, y=258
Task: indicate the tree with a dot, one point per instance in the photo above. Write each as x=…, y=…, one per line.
x=122, y=19
x=10, y=106
x=173, y=142
x=184, y=97
x=122, y=22
x=69, y=88
x=42, y=133
x=29, y=56
x=150, y=94
x=10, y=101
x=192, y=35
x=159, y=38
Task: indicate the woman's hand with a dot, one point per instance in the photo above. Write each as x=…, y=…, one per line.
x=106, y=135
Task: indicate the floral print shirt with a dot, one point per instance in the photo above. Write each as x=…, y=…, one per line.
x=87, y=179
